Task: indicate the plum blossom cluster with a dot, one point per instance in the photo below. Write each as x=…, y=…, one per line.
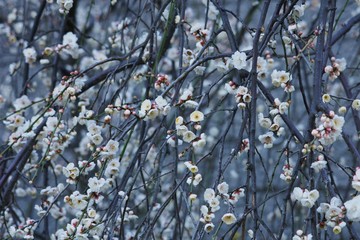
x=305, y=197
x=65, y=6
x=273, y=124
x=110, y=116
x=300, y=235
x=150, y=110
x=162, y=82
x=332, y=215
x=287, y=173
x=337, y=66
x=69, y=45
x=282, y=79
x=188, y=136
x=212, y=199
x=196, y=177
x=242, y=94
x=329, y=128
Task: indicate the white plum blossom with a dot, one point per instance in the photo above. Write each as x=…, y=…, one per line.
x=69, y=45
x=196, y=116
x=334, y=70
x=307, y=198
x=267, y=139
x=209, y=227
x=223, y=188
x=356, y=104
x=356, y=180
x=146, y=105
x=353, y=209
x=96, y=185
x=300, y=235
x=329, y=129
x=112, y=147
x=192, y=168
x=188, y=136
x=65, y=6
x=194, y=180
x=238, y=60
x=264, y=122
x=22, y=102
x=319, y=164
x=209, y=194
x=298, y=10
x=286, y=175
x=71, y=172
x=228, y=218
x=30, y=55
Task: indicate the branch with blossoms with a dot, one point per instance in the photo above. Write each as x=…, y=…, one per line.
x=179, y=119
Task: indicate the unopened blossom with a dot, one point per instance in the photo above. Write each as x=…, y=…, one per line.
x=196, y=116
x=286, y=175
x=231, y=87
x=228, y=218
